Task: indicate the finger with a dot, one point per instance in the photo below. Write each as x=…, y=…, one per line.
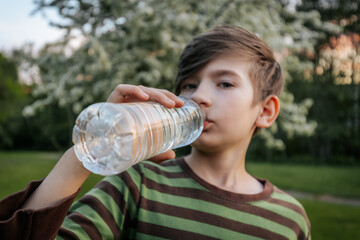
x=125, y=92
x=157, y=95
x=178, y=102
x=170, y=154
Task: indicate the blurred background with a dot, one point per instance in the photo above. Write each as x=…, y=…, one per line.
x=58, y=57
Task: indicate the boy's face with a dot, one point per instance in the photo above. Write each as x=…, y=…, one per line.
x=225, y=93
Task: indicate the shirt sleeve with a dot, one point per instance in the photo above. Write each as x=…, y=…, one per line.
x=18, y=223
x=108, y=211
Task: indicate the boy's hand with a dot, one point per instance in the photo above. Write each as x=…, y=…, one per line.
x=129, y=93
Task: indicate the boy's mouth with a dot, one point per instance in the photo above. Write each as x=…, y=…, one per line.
x=206, y=123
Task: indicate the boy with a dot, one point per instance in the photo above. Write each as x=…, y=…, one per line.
x=234, y=78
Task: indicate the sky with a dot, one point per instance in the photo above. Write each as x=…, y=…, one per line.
x=18, y=26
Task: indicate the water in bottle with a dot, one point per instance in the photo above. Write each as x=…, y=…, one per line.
x=109, y=137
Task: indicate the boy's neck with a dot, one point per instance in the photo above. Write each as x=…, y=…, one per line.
x=225, y=170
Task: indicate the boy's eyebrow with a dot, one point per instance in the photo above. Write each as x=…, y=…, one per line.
x=223, y=72
x=216, y=73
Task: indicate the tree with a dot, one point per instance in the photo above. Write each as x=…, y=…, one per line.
x=139, y=42
x=333, y=80
x=12, y=95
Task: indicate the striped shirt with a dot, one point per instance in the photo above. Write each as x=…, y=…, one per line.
x=169, y=201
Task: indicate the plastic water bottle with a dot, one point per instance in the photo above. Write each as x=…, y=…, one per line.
x=109, y=137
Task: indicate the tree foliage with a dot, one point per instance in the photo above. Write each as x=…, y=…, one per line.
x=139, y=42
x=12, y=97
x=334, y=81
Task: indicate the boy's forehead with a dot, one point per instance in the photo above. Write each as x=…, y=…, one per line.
x=227, y=64
x=233, y=56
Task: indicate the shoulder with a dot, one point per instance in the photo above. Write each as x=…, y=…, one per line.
x=285, y=199
x=292, y=210
x=283, y=195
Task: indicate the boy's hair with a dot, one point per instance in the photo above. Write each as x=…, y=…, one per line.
x=265, y=72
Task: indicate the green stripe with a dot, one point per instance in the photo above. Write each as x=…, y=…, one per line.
x=192, y=226
x=218, y=210
x=285, y=212
x=170, y=169
x=96, y=219
x=287, y=198
x=134, y=175
x=59, y=238
x=74, y=228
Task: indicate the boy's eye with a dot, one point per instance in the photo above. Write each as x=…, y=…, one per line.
x=225, y=85
x=189, y=86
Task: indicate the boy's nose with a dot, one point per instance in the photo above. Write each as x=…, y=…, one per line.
x=202, y=97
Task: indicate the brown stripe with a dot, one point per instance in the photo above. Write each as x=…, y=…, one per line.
x=173, y=162
x=116, y=195
x=165, y=232
x=209, y=197
x=120, y=201
x=103, y=212
x=86, y=224
x=211, y=219
x=134, y=191
x=299, y=233
x=66, y=234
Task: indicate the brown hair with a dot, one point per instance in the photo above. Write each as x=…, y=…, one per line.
x=265, y=71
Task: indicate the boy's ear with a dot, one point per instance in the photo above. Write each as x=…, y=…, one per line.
x=269, y=112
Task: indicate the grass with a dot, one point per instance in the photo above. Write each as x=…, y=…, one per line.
x=332, y=221
x=338, y=181
x=17, y=169
x=329, y=221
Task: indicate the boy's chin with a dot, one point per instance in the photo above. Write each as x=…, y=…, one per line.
x=206, y=145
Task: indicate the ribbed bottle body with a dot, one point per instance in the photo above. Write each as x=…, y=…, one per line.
x=109, y=137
